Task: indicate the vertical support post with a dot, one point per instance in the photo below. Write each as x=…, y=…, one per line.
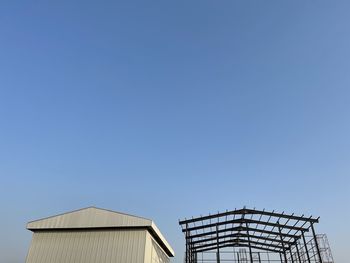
x=259, y=257
x=250, y=248
x=238, y=257
x=187, y=256
x=298, y=253
x=282, y=242
x=186, y=253
x=192, y=254
x=217, y=244
x=291, y=255
x=268, y=257
x=281, y=258
x=316, y=243
x=306, y=250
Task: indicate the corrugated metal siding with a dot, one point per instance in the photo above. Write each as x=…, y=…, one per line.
x=89, y=218
x=103, y=246
x=162, y=238
x=153, y=252
x=148, y=248
x=93, y=217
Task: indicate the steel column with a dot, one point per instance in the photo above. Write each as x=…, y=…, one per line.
x=316, y=243
x=188, y=249
x=186, y=253
x=250, y=248
x=291, y=255
x=281, y=257
x=192, y=254
x=268, y=258
x=298, y=253
x=217, y=248
x=305, y=246
x=282, y=242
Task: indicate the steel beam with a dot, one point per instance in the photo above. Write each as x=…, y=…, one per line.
x=240, y=228
x=239, y=235
x=250, y=211
x=249, y=221
x=237, y=245
x=237, y=242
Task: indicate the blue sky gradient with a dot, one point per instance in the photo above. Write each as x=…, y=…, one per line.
x=172, y=109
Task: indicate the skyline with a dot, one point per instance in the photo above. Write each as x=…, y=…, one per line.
x=169, y=110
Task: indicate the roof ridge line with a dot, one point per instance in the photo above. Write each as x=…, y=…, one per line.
x=85, y=208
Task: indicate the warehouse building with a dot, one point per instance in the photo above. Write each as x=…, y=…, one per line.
x=93, y=235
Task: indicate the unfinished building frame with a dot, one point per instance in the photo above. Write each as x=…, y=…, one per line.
x=250, y=235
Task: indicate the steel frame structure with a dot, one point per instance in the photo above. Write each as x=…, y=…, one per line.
x=255, y=230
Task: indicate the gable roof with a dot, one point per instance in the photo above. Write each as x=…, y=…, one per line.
x=93, y=217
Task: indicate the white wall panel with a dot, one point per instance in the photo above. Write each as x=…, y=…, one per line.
x=153, y=252
x=88, y=246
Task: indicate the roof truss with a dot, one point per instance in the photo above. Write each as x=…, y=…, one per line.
x=259, y=229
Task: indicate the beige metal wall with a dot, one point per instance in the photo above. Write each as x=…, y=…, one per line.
x=153, y=252
x=97, y=218
x=88, y=246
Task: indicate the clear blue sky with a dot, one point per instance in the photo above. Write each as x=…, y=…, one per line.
x=168, y=109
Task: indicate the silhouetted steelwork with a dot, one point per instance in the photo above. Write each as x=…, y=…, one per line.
x=258, y=231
